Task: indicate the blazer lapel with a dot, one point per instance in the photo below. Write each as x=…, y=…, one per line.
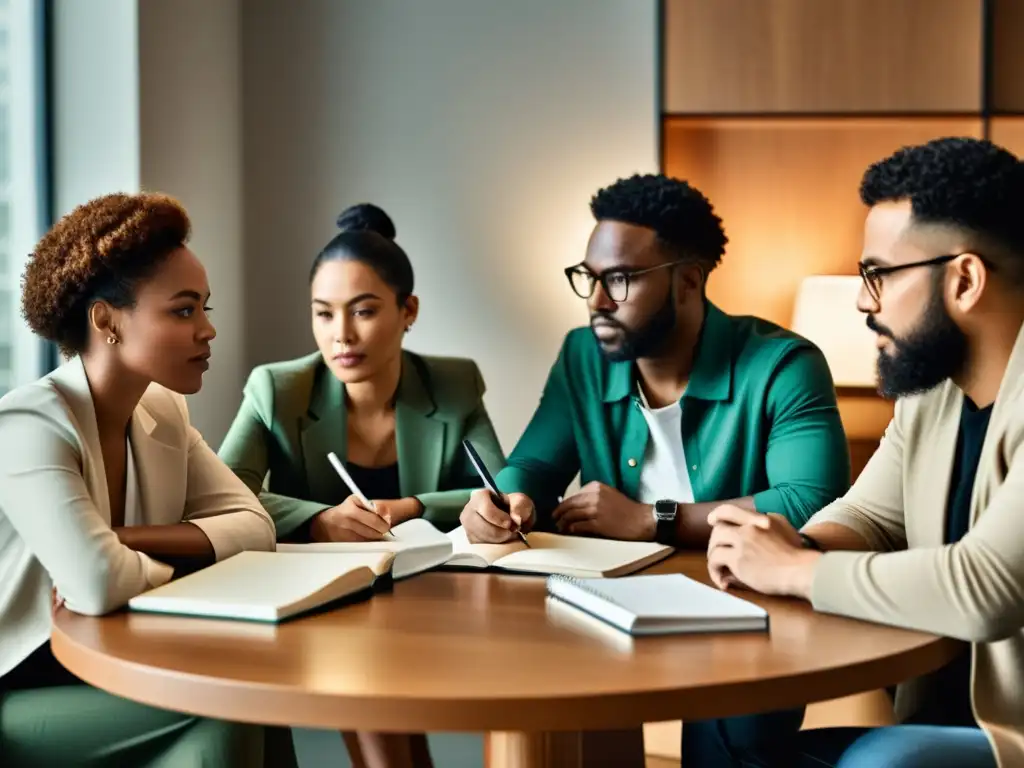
x=158, y=470
x=935, y=451
x=990, y=469
x=74, y=386
x=419, y=432
x=324, y=430
x=419, y=435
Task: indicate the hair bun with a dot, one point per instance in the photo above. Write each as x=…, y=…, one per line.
x=366, y=217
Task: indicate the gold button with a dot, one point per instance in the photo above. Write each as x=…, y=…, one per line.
x=632, y=462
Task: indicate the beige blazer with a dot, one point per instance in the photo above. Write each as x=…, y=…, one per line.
x=972, y=590
x=55, y=511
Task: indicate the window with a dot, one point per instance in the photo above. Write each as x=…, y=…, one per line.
x=22, y=181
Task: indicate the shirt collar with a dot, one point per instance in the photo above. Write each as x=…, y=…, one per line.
x=711, y=377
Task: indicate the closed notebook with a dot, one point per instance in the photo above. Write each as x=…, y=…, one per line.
x=659, y=604
x=266, y=586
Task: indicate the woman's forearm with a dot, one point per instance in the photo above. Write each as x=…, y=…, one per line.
x=182, y=546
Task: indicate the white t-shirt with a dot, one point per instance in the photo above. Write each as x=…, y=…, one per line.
x=664, y=474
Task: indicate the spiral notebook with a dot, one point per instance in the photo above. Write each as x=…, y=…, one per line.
x=659, y=605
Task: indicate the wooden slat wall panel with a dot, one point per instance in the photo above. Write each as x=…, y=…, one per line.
x=787, y=191
x=1009, y=132
x=1008, y=56
x=729, y=56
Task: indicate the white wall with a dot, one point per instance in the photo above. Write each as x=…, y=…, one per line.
x=96, y=100
x=482, y=126
x=148, y=96
x=190, y=141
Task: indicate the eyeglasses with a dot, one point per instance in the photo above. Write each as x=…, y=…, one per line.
x=614, y=281
x=872, y=274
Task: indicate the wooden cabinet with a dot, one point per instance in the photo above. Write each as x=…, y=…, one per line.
x=1008, y=132
x=1006, y=57
x=824, y=56
x=787, y=192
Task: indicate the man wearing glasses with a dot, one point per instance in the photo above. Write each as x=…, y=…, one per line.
x=667, y=406
x=931, y=536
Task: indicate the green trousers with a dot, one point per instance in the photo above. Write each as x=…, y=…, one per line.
x=71, y=726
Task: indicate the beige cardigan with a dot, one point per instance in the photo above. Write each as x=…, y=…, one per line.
x=972, y=590
x=55, y=510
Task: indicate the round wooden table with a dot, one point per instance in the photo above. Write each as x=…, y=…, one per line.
x=484, y=652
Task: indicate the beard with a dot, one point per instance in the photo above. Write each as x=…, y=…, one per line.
x=646, y=341
x=934, y=351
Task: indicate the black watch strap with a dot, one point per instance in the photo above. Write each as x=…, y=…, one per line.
x=810, y=543
x=665, y=512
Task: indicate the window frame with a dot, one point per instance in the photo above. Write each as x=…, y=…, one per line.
x=29, y=190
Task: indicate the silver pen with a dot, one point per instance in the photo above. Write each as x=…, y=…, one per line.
x=339, y=467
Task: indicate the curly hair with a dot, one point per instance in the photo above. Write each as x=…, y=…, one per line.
x=364, y=216
x=680, y=215
x=101, y=250
x=970, y=184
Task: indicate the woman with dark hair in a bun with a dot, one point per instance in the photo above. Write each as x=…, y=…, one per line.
x=395, y=418
x=106, y=490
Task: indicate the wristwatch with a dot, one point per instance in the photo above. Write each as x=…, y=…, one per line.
x=665, y=511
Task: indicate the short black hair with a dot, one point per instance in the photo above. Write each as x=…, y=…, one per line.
x=366, y=216
x=383, y=256
x=969, y=184
x=680, y=214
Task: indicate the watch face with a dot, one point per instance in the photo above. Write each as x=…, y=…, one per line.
x=665, y=510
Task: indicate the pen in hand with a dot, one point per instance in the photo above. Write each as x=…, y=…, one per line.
x=496, y=496
x=339, y=467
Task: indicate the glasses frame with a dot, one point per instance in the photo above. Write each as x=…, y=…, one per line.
x=602, y=278
x=872, y=274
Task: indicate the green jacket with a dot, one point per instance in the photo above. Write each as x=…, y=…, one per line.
x=293, y=413
x=760, y=419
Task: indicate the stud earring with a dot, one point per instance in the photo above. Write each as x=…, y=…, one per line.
x=112, y=340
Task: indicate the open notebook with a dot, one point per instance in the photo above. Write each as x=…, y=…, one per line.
x=419, y=546
x=266, y=586
x=551, y=553
x=659, y=604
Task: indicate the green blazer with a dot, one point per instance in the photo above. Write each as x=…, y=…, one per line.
x=293, y=413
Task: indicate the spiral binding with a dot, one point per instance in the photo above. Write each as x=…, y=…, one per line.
x=580, y=585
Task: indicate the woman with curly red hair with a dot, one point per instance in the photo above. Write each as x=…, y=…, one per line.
x=106, y=490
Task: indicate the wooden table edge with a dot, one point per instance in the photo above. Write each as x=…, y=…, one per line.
x=272, y=705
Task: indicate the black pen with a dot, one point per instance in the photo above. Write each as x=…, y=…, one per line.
x=496, y=497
